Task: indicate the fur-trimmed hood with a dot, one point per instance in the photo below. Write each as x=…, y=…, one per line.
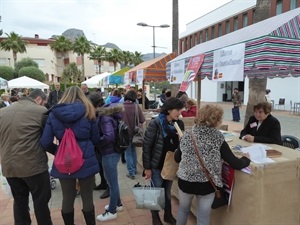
x=115, y=110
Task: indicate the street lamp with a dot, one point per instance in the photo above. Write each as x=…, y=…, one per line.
x=161, y=26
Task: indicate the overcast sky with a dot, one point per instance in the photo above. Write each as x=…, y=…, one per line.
x=103, y=21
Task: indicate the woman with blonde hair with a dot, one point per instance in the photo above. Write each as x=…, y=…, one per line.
x=190, y=108
x=212, y=147
x=75, y=111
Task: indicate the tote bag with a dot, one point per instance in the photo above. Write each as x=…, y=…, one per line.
x=170, y=167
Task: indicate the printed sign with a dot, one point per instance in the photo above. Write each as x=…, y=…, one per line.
x=139, y=77
x=191, y=71
x=228, y=64
x=177, y=72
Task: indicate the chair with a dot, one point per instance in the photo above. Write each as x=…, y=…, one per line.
x=292, y=108
x=290, y=141
x=281, y=102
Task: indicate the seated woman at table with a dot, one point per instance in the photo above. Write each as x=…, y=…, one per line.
x=192, y=180
x=190, y=108
x=262, y=127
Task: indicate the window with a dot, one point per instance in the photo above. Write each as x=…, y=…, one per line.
x=293, y=4
x=190, y=42
x=227, y=27
x=235, y=23
x=278, y=7
x=196, y=39
x=206, y=35
x=40, y=62
x=253, y=16
x=220, y=30
x=245, y=20
x=201, y=38
x=213, y=32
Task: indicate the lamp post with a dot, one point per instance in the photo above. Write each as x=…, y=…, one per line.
x=147, y=25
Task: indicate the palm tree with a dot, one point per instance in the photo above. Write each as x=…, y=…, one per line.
x=114, y=56
x=98, y=53
x=61, y=45
x=14, y=43
x=126, y=58
x=81, y=46
x=175, y=35
x=257, y=87
x=72, y=74
x=137, y=58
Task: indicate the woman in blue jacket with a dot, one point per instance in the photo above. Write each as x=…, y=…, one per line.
x=75, y=111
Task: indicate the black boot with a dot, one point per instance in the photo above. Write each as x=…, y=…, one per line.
x=101, y=186
x=155, y=218
x=106, y=194
x=89, y=217
x=169, y=218
x=68, y=218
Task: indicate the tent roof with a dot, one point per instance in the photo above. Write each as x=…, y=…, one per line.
x=26, y=82
x=253, y=31
x=94, y=82
x=154, y=69
x=121, y=71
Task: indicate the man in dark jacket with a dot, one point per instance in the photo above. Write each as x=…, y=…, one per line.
x=54, y=96
x=23, y=159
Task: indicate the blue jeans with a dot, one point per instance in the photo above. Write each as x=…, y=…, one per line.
x=158, y=181
x=131, y=160
x=39, y=187
x=110, y=163
x=203, y=202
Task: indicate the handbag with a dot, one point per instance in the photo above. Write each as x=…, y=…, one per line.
x=138, y=137
x=147, y=197
x=170, y=167
x=220, y=195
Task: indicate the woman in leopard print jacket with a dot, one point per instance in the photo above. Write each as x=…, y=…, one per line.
x=213, y=149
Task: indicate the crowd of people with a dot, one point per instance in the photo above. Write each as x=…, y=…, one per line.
x=36, y=120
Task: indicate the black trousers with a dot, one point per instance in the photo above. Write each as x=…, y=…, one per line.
x=39, y=187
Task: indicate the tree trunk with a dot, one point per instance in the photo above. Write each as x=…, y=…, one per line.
x=82, y=59
x=15, y=58
x=257, y=87
x=175, y=31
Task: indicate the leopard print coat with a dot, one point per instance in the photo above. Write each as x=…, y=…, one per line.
x=209, y=141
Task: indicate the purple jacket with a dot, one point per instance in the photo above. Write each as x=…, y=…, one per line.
x=108, y=121
x=85, y=131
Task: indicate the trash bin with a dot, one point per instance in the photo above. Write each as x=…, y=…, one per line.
x=224, y=97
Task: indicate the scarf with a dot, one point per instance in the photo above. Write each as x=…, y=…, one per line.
x=166, y=126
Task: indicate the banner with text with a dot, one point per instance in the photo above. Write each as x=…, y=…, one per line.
x=139, y=77
x=228, y=64
x=191, y=71
x=177, y=72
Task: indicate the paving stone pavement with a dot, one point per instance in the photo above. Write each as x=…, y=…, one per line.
x=131, y=216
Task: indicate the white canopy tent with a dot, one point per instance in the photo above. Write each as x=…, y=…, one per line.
x=26, y=82
x=95, y=81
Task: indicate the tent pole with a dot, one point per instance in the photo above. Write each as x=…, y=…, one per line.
x=199, y=92
x=143, y=95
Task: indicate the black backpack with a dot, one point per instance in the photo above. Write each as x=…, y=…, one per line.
x=122, y=137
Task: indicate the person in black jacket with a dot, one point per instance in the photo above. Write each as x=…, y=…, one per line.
x=262, y=127
x=160, y=137
x=212, y=147
x=54, y=96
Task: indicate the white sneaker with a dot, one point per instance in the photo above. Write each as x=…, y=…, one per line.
x=106, y=216
x=118, y=209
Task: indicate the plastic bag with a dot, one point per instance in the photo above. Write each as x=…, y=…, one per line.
x=5, y=185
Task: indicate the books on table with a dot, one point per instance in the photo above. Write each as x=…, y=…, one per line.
x=258, y=153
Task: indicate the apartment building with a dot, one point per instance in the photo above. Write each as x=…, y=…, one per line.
x=51, y=62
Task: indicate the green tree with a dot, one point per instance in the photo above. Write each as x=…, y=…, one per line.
x=61, y=45
x=25, y=63
x=81, y=46
x=257, y=87
x=136, y=58
x=32, y=72
x=98, y=53
x=13, y=43
x=6, y=72
x=72, y=74
x=114, y=56
x=126, y=58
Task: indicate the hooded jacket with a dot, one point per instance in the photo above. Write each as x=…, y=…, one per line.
x=86, y=133
x=108, y=123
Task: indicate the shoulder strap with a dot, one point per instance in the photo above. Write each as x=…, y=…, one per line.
x=203, y=166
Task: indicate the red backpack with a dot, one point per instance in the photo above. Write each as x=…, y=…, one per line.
x=69, y=157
